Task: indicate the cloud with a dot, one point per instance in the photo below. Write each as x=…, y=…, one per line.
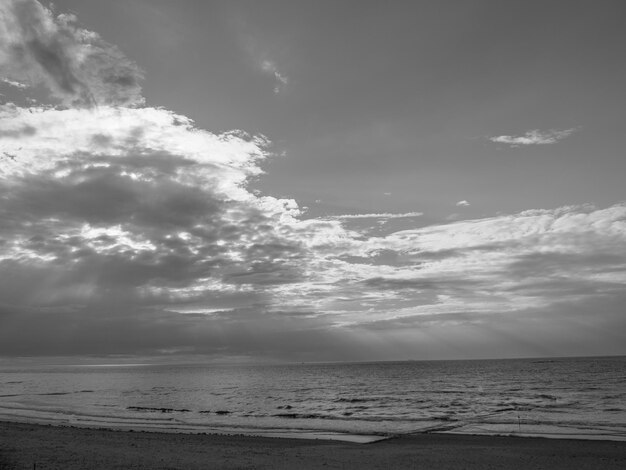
x=261, y=52
x=13, y=83
x=135, y=204
x=280, y=79
x=383, y=215
x=135, y=215
x=462, y=203
x=17, y=132
x=534, y=137
x=127, y=229
x=76, y=65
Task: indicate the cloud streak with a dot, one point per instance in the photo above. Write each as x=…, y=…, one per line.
x=381, y=215
x=534, y=137
x=281, y=80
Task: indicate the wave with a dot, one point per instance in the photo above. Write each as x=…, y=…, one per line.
x=300, y=416
x=353, y=400
x=64, y=393
x=183, y=420
x=162, y=410
x=46, y=394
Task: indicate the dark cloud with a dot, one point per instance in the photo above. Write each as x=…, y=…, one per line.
x=141, y=233
x=128, y=230
x=108, y=195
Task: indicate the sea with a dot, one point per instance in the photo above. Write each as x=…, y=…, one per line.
x=582, y=398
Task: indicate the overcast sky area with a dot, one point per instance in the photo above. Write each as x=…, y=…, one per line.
x=312, y=180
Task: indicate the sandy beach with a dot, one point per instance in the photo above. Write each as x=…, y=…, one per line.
x=28, y=446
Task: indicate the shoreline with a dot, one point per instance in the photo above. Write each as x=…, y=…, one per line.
x=24, y=445
x=277, y=433
x=363, y=437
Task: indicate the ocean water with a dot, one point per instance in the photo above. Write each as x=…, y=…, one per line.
x=570, y=397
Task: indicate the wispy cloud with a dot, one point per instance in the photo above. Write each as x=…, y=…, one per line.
x=382, y=215
x=261, y=52
x=534, y=137
x=281, y=79
x=462, y=203
x=14, y=83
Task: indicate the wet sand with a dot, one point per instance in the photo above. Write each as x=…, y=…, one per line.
x=28, y=446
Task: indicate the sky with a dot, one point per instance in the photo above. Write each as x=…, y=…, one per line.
x=312, y=181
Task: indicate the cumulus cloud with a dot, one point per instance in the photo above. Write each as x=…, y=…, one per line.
x=76, y=65
x=462, y=203
x=136, y=198
x=534, y=137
